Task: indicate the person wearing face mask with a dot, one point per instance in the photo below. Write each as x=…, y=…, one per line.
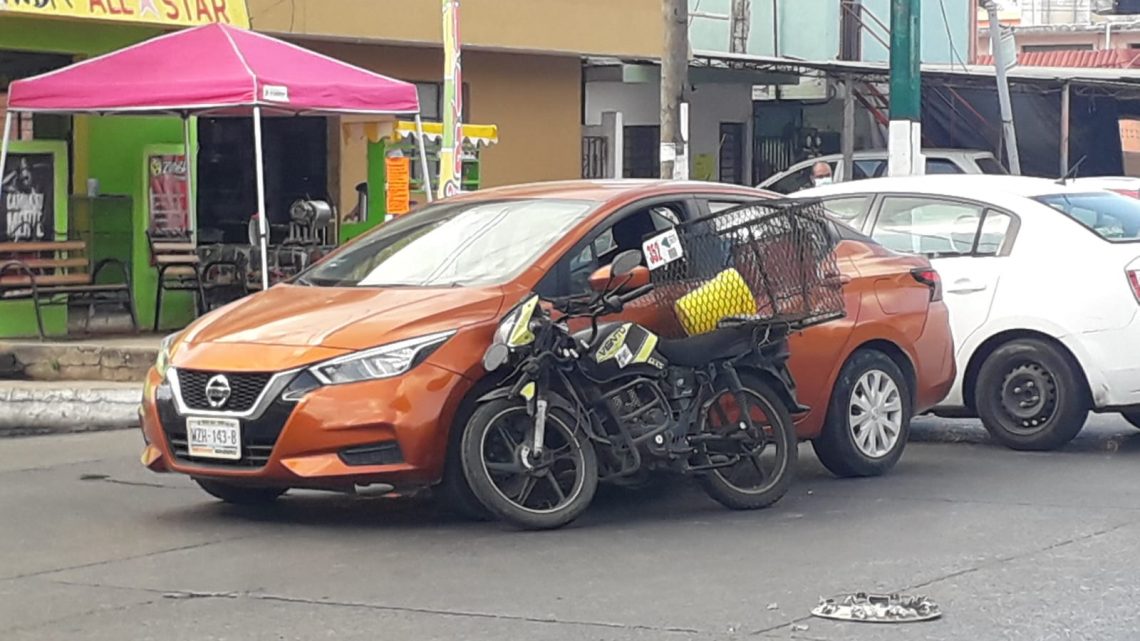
x=821, y=174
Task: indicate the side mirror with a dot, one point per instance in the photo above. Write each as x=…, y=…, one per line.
x=625, y=262
x=602, y=280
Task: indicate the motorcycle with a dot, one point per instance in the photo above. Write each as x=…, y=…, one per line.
x=615, y=401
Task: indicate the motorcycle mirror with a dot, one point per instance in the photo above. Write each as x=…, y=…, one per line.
x=496, y=355
x=626, y=262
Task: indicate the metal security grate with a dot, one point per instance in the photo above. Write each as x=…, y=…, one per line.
x=244, y=390
x=769, y=262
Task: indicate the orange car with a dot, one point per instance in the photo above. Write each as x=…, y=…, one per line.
x=356, y=372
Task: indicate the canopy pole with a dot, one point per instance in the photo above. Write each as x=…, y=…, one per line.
x=191, y=203
x=423, y=157
x=4, y=147
x=262, y=215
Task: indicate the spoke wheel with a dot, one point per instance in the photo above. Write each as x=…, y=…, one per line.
x=522, y=488
x=757, y=452
x=875, y=414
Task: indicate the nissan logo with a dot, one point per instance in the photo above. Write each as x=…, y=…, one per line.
x=218, y=391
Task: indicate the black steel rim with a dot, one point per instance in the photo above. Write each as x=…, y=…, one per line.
x=540, y=484
x=1028, y=397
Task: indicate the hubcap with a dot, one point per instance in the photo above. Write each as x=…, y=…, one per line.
x=1028, y=396
x=875, y=414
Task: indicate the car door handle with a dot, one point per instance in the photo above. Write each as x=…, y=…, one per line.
x=966, y=286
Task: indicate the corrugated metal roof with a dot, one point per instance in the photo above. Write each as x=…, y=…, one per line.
x=1088, y=59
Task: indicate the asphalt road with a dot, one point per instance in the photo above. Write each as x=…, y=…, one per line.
x=1011, y=545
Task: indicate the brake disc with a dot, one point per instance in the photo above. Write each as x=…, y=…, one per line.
x=878, y=608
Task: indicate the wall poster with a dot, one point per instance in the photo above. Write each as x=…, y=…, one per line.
x=28, y=188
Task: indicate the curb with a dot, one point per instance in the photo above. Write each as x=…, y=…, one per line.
x=33, y=409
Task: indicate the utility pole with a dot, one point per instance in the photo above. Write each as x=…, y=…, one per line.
x=905, y=137
x=674, y=74
x=1005, y=56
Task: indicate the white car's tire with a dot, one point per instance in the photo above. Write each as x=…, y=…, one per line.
x=1030, y=395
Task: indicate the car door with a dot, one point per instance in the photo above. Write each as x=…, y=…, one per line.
x=625, y=230
x=966, y=242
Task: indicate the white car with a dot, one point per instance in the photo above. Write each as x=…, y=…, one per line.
x=1042, y=281
x=873, y=164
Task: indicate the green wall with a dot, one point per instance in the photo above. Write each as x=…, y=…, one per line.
x=110, y=149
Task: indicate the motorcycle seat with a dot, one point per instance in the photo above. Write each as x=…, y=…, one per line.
x=699, y=350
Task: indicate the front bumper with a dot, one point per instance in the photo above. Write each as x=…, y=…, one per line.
x=391, y=431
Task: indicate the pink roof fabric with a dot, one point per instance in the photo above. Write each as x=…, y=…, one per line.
x=213, y=68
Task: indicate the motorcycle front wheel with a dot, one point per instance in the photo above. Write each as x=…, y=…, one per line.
x=526, y=490
x=757, y=456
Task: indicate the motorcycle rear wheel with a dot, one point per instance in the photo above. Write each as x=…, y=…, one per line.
x=523, y=490
x=767, y=452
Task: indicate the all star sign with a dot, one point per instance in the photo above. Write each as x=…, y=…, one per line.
x=178, y=13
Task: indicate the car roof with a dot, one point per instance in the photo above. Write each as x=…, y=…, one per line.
x=980, y=186
x=883, y=153
x=608, y=190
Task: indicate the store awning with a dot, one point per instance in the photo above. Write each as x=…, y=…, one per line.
x=217, y=69
x=373, y=131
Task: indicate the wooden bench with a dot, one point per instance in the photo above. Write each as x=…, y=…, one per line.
x=180, y=268
x=59, y=273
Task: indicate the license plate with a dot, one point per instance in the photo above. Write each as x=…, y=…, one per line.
x=214, y=438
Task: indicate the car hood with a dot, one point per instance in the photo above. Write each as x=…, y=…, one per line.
x=344, y=318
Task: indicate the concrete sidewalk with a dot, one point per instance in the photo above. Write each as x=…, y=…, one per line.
x=55, y=407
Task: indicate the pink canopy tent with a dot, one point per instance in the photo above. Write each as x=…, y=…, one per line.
x=216, y=70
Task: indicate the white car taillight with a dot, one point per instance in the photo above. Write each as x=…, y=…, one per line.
x=1134, y=281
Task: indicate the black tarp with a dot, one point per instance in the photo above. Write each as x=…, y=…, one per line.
x=970, y=118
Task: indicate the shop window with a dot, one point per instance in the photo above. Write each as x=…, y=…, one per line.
x=431, y=101
x=296, y=166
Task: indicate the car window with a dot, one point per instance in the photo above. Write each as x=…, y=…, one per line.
x=793, y=182
x=451, y=243
x=990, y=166
x=927, y=226
x=1113, y=217
x=571, y=276
x=942, y=166
x=993, y=234
x=849, y=209
x=868, y=168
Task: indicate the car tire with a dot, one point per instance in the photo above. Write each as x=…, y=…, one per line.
x=1133, y=417
x=868, y=417
x=240, y=494
x=1031, y=396
x=455, y=494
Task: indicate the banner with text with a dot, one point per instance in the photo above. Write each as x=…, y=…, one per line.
x=177, y=13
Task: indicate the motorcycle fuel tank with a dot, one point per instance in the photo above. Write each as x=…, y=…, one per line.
x=621, y=350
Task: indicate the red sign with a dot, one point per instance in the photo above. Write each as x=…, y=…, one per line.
x=169, y=195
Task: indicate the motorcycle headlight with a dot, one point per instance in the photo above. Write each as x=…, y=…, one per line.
x=514, y=330
x=385, y=361
x=162, y=362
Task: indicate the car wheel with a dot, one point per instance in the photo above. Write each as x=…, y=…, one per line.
x=1030, y=396
x=1133, y=417
x=240, y=494
x=868, y=417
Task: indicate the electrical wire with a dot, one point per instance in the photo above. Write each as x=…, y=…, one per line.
x=950, y=36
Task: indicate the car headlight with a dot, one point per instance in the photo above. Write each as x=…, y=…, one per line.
x=514, y=330
x=165, y=349
x=385, y=361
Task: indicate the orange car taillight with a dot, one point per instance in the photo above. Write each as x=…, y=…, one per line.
x=927, y=276
x=1134, y=281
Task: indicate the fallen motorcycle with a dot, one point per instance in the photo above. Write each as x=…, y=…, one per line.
x=616, y=400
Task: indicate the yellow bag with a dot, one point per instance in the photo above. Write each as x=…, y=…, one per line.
x=727, y=295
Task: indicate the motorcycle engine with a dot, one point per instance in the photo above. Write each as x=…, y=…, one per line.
x=640, y=407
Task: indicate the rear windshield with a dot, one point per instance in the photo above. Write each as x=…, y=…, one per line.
x=990, y=166
x=1113, y=217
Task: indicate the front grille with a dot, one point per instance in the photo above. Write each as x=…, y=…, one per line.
x=258, y=435
x=244, y=390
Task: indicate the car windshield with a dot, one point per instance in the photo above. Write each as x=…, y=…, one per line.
x=464, y=243
x=1113, y=217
